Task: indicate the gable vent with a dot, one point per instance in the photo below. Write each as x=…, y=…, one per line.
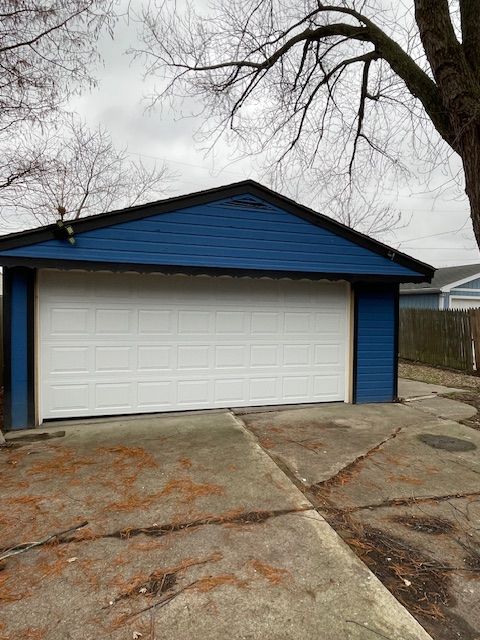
x=248, y=203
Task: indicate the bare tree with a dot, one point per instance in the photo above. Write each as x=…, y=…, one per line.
x=82, y=173
x=352, y=206
x=330, y=88
x=46, y=51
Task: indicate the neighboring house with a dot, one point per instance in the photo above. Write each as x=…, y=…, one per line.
x=451, y=288
x=235, y=296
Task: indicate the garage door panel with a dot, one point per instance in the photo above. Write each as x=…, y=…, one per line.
x=327, y=354
x=329, y=323
x=154, y=321
x=67, y=399
x=326, y=387
x=68, y=360
x=155, y=395
x=264, y=355
x=113, y=358
x=230, y=391
x=193, y=392
x=112, y=396
x=264, y=323
x=152, y=357
x=230, y=356
x=265, y=390
x=114, y=321
x=296, y=388
x=230, y=322
x=68, y=320
x=295, y=355
x=194, y=322
x=298, y=322
x=193, y=356
x=159, y=343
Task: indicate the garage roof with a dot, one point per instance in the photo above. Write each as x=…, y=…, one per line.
x=444, y=279
x=245, y=203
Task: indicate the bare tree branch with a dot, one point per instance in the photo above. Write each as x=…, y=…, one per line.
x=328, y=89
x=82, y=174
x=47, y=48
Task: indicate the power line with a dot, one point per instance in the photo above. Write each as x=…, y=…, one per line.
x=244, y=173
x=435, y=235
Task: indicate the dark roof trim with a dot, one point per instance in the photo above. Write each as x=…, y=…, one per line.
x=419, y=291
x=54, y=263
x=42, y=234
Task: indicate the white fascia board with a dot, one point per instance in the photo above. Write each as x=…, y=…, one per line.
x=452, y=285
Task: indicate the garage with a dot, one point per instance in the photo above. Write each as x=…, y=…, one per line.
x=456, y=302
x=133, y=343
x=232, y=297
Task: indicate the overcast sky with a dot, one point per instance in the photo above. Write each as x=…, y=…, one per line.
x=436, y=228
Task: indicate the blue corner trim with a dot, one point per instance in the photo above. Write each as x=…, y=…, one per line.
x=19, y=410
x=376, y=343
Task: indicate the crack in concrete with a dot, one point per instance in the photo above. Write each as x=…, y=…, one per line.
x=277, y=460
x=160, y=530
x=345, y=472
x=333, y=515
x=400, y=502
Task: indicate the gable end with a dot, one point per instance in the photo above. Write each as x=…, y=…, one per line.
x=250, y=227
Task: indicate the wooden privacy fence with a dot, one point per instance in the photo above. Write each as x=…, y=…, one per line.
x=441, y=337
x=1, y=340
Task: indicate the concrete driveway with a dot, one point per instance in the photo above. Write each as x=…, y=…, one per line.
x=400, y=483
x=192, y=530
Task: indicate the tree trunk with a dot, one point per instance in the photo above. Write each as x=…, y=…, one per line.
x=470, y=153
x=457, y=79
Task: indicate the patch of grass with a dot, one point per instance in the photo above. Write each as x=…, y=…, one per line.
x=437, y=375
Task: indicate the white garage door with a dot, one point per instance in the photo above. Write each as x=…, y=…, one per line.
x=133, y=343
x=464, y=303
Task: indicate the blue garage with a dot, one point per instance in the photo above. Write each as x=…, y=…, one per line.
x=231, y=297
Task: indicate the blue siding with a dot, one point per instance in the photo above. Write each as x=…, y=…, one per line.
x=473, y=284
x=19, y=288
x=466, y=290
x=425, y=301
x=376, y=357
x=229, y=233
